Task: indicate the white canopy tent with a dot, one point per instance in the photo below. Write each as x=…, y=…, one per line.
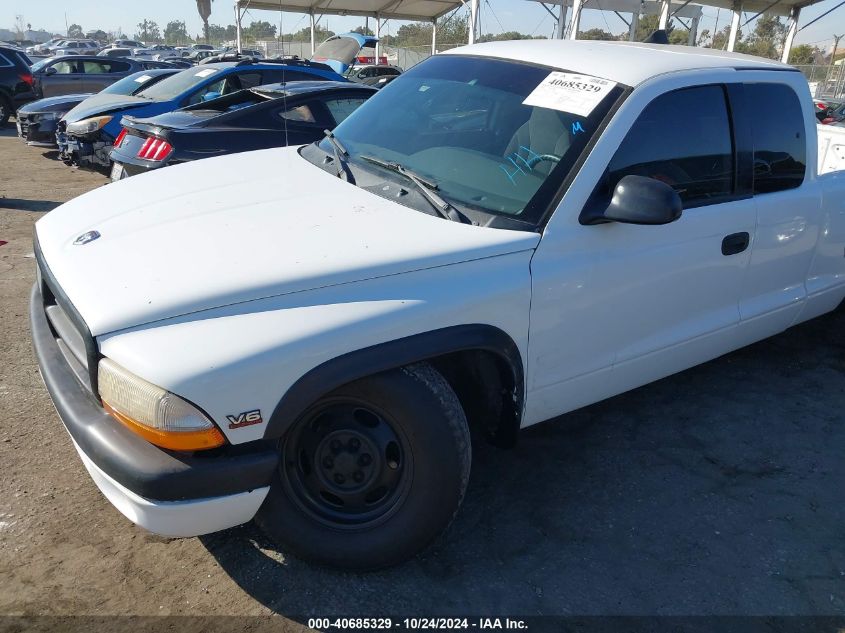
x=380, y=10
x=668, y=9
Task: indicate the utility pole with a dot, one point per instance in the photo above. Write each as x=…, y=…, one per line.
x=832, y=66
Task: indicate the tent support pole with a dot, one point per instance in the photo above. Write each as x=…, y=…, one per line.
x=790, y=34
x=737, y=15
x=664, y=15
x=575, y=21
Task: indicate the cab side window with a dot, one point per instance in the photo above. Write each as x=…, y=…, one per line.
x=682, y=138
x=780, y=146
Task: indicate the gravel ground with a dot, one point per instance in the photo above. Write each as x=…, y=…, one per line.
x=716, y=491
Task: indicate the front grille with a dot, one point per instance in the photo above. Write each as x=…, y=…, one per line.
x=72, y=335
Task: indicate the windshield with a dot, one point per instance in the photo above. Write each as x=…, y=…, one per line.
x=131, y=84
x=496, y=136
x=39, y=65
x=177, y=84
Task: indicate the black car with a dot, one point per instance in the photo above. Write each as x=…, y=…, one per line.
x=16, y=82
x=37, y=120
x=370, y=74
x=74, y=74
x=274, y=115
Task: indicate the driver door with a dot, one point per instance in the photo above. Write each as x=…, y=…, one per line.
x=614, y=305
x=67, y=79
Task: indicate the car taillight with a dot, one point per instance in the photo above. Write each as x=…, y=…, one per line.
x=155, y=149
x=27, y=78
x=120, y=137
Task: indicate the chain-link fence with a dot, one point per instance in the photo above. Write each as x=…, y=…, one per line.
x=827, y=81
x=403, y=57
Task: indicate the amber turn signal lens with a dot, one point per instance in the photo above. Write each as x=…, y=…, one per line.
x=173, y=440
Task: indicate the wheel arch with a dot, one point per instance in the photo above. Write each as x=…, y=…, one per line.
x=475, y=346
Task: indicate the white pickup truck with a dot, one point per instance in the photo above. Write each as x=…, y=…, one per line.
x=507, y=232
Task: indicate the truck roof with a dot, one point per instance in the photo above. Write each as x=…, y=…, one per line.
x=629, y=63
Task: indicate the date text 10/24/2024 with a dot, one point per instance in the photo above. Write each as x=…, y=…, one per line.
x=326, y=624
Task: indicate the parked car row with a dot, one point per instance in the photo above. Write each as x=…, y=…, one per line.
x=153, y=118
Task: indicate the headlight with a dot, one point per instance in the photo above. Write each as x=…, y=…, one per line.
x=157, y=415
x=86, y=126
x=48, y=116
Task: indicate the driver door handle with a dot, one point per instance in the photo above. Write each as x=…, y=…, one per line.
x=735, y=243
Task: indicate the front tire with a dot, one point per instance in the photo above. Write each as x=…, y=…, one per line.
x=371, y=473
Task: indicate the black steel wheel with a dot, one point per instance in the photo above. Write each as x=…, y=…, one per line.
x=347, y=463
x=372, y=472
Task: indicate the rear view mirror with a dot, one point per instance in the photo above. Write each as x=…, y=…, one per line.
x=639, y=200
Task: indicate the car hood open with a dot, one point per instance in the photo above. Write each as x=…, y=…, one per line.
x=98, y=104
x=236, y=228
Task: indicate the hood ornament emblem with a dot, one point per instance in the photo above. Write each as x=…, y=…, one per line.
x=88, y=236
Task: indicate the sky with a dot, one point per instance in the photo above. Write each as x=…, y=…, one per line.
x=496, y=16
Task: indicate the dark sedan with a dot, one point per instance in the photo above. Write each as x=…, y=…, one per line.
x=37, y=120
x=273, y=115
x=74, y=74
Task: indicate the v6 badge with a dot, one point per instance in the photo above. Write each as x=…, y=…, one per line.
x=247, y=418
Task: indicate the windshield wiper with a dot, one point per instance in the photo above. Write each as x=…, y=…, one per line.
x=425, y=187
x=339, y=151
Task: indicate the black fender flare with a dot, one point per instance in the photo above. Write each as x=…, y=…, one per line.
x=392, y=354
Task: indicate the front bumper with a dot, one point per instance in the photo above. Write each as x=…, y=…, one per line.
x=90, y=151
x=170, y=493
x=41, y=132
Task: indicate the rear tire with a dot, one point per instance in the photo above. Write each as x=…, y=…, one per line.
x=371, y=473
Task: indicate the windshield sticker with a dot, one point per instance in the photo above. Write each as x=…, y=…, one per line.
x=568, y=92
x=143, y=78
x=577, y=128
x=206, y=72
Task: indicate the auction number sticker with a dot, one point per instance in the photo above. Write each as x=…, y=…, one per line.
x=568, y=92
x=205, y=72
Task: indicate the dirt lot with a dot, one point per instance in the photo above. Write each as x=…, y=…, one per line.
x=716, y=491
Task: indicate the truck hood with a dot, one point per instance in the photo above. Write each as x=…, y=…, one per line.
x=103, y=104
x=235, y=228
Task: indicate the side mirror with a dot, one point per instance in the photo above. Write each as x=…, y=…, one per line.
x=640, y=200
x=50, y=71
x=208, y=96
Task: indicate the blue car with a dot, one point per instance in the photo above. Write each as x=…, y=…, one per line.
x=86, y=134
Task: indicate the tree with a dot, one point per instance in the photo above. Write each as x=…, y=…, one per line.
x=217, y=33
x=260, y=30
x=148, y=31
x=804, y=54
x=766, y=40
x=363, y=30
x=204, y=9
x=176, y=32
x=74, y=30
x=304, y=35
x=509, y=35
x=648, y=24
x=595, y=34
